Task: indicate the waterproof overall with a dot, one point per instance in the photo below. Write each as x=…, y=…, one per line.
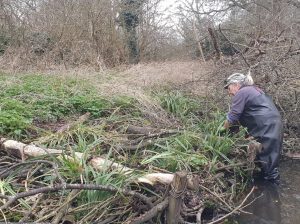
x=263, y=122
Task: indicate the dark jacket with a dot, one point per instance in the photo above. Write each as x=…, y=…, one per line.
x=256, y=111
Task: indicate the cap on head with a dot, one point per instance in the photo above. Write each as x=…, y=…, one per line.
x=234, y=78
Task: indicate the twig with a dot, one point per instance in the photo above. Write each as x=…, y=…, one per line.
x=63, y=210
x=12, y=199
x=234, y=210
x=215, y=195
x=32, y=209
x=199, y=214
x=151, y=213
x=108, y=220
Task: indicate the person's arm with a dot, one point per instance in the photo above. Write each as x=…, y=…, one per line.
x=237, y=108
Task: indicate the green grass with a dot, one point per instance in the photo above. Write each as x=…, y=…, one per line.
x=39, y=98
x=177, y=153
x=177, y=103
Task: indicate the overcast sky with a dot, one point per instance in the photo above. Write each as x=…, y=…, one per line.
x=170, y=5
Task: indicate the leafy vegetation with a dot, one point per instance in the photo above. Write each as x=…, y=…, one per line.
x=29, y=99
x=34, y=106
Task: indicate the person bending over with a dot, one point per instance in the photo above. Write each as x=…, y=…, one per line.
x=253, y=109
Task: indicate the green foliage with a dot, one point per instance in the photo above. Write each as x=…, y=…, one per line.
x=40, y=98
x=13, y=123
x=90, y=103
x=178, y=153
x=14, y=116
x=6, y=188
x=177, y=103
x=215, y=138
x=105, y=178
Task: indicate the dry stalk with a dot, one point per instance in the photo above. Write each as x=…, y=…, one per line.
x=63, y=210
x=234, y=210
x=216, y=196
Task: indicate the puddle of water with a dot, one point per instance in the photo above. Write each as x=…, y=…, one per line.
x=276, y=204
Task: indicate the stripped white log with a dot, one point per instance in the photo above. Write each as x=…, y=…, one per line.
x=25, y=151
x=101, y=163
x=152, y=178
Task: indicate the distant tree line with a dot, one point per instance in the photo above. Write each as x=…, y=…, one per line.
x=106, y=33
x=100, y=33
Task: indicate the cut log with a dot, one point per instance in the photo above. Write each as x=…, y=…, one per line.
x=150, y=132
x=131, y=129
x=178, y=188
x=23, y=151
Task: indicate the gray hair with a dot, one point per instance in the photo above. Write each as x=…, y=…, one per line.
x=243, y=80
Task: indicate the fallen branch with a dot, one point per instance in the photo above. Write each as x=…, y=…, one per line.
x=24, y=151
x=148, y=132
x=131, y=129
x=12, y=199
x=140, y=145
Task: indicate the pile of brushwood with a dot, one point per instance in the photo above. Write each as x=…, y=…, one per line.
x=71, y=155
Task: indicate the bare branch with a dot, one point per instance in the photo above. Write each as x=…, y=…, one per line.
x=55, y=188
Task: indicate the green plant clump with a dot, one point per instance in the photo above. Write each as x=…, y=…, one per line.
x=32, y=99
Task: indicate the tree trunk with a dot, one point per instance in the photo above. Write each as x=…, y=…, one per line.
x=198, y=40
x=215, y=43
x=130, y=20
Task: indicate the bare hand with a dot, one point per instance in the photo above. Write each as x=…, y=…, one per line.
x=226, y=124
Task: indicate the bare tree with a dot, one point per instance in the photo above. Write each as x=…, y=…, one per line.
x=261, y=35
x=100, y=33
